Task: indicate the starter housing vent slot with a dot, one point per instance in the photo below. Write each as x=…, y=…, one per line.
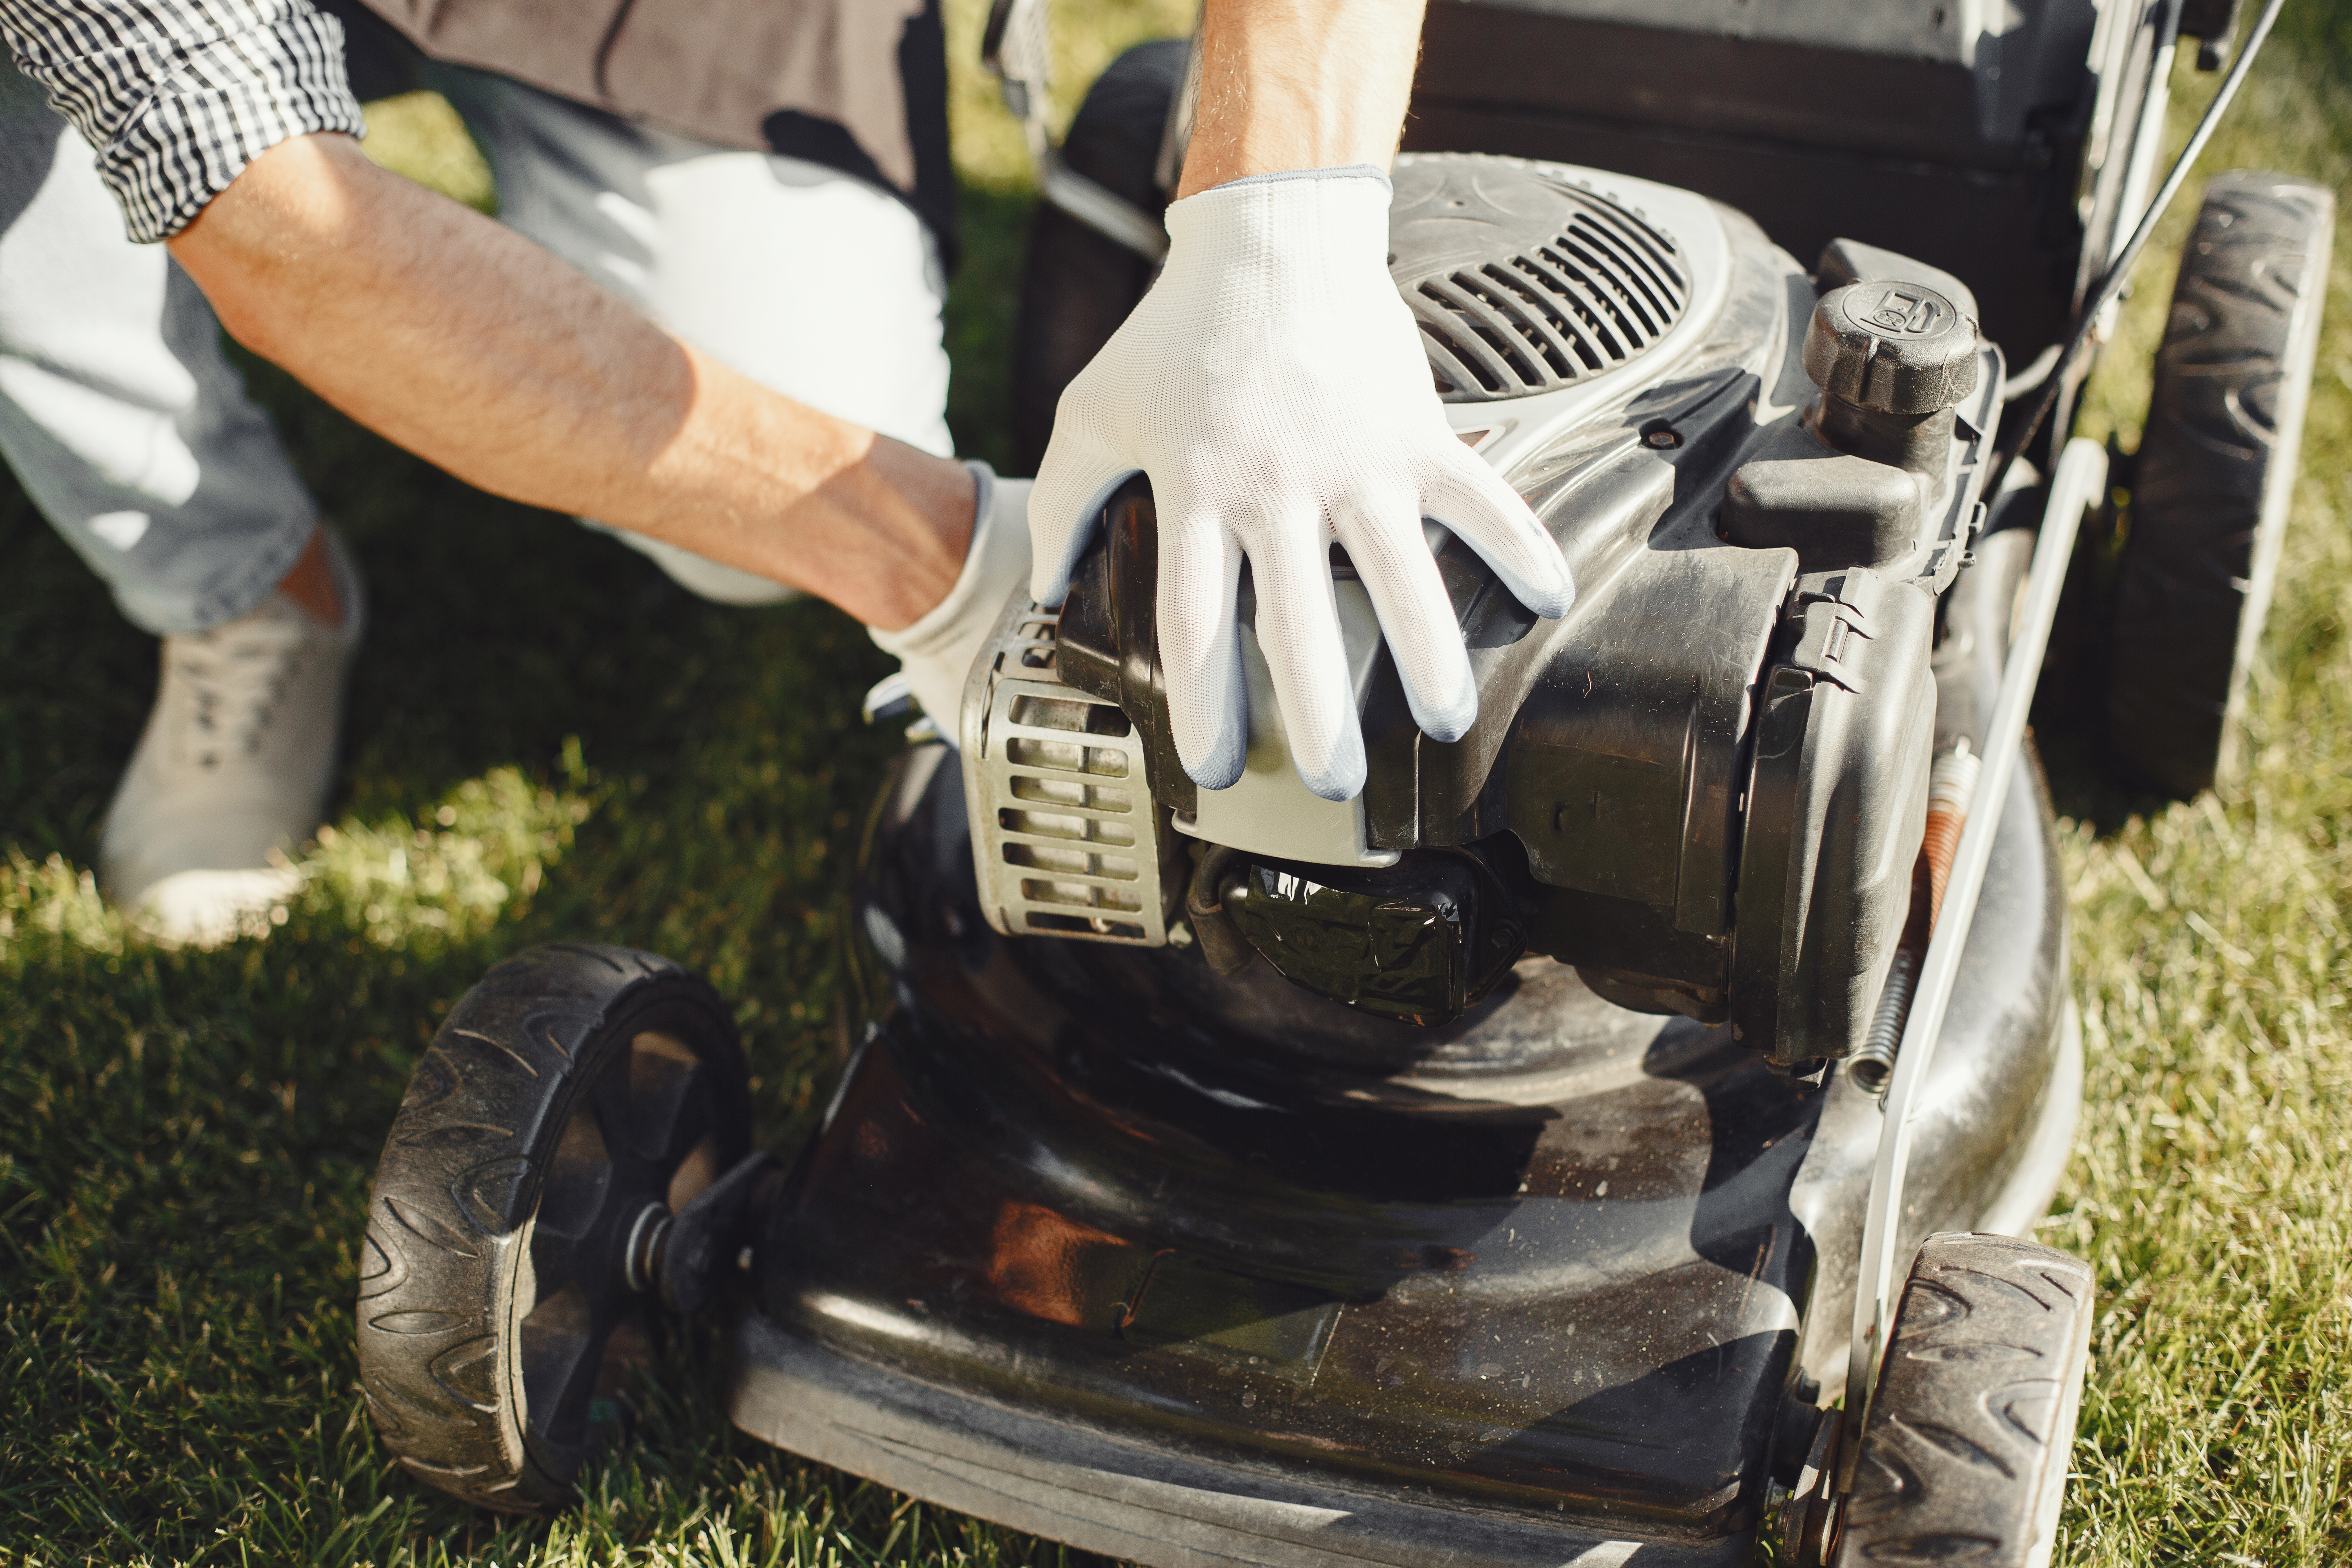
x=1068, y=839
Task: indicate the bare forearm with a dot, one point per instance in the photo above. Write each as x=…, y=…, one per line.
x=473, y=348
x=1300, y=84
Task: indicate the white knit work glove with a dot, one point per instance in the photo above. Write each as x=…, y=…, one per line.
x=937, y=652
x=1273, y=386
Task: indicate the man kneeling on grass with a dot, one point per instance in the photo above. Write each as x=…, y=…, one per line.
x=708, y=317
x=736, y=354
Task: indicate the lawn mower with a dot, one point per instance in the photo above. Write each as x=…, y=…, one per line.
x=1611, y=1137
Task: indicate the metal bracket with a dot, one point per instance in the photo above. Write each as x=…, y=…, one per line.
x=2078, y=483
x=694, y=1247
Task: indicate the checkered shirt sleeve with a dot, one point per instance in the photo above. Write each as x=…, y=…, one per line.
x=178, y=95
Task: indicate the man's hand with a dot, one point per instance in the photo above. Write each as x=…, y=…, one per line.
x=1273, y=386
x=476, y=349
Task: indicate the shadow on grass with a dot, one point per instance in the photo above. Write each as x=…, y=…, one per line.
x=2089, y=782
x=546, y=739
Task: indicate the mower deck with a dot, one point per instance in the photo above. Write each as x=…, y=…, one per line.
x=1524, y=1290
x=1136, y=1502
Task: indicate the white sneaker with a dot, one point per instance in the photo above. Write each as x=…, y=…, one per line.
x=233, y=768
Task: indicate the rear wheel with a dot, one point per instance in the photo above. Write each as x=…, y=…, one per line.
x=1079, y=284
x=1964, y=1449
x=2216, y=470
x=574, y=1103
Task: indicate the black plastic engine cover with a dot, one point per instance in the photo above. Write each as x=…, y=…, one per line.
x=1713, y=769
x=1837, y=805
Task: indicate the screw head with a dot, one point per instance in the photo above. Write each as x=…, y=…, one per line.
x=1894, y=347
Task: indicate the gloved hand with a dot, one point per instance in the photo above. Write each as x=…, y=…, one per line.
x=937, y=652
x=1273, y=386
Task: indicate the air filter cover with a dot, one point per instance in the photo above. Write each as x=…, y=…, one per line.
x=1523, y=281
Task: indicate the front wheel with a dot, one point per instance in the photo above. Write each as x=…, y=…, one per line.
x=2216, y=470
x=573, y=1105
x=1964, y=1449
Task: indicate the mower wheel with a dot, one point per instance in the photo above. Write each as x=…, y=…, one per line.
x=1964, y=1448
x=574, y=1101
x=1079, y=284
x=2216, y=470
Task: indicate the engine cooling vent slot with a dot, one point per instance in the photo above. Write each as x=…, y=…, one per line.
x=1523, y=282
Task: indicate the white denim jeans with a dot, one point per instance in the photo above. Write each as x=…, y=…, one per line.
x=134, y=438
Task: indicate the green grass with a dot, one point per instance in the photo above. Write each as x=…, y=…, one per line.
x=547, y=739
x=2213, y=1179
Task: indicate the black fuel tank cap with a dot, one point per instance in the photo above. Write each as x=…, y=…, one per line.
x=1891, y=347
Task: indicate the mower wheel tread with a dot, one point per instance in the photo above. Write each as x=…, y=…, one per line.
x=444, y=1264
x=1964, y=1449
x=2215, y=470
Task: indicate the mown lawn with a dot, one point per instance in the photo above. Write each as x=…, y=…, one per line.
x=547, y=739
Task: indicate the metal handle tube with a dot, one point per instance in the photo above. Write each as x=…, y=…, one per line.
x=2148, y=145
x=1019, y=49
x=2111, y=282
x=1104, y=211
x=2078, y=483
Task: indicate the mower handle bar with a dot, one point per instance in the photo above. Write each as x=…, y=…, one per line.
x=2078, y=483
x=2111, y=282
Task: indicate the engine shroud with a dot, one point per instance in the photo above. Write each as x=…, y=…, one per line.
x=1706, y=785
x=1524, y=281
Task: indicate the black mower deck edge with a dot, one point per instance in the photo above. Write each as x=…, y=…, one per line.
x=1107, y=1494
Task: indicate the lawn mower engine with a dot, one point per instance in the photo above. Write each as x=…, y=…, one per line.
x=1704, y=787
x=1233, y=1176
